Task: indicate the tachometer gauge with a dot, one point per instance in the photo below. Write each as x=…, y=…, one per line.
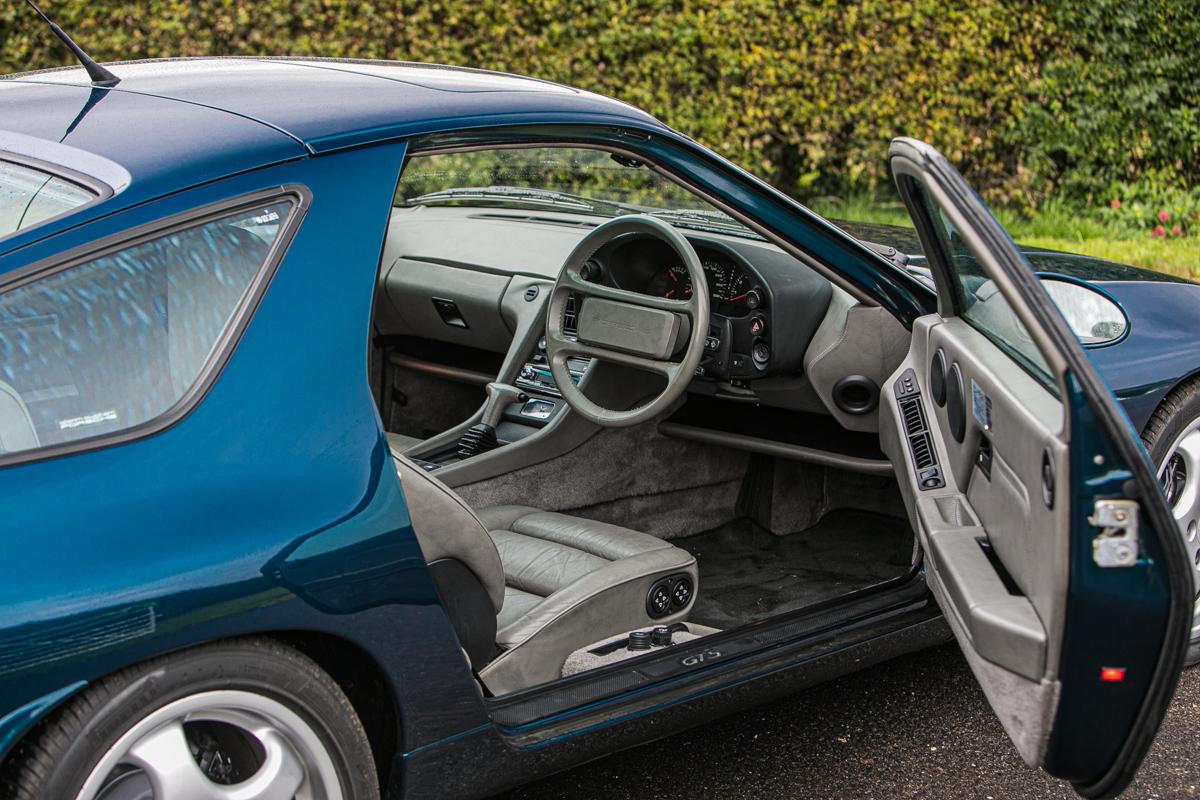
x=673, y=282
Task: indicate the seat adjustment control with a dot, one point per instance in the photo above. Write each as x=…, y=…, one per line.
x=669, y=595
x=639, y=640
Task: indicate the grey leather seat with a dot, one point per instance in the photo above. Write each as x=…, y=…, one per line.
x=17, y=431
x=555, y=582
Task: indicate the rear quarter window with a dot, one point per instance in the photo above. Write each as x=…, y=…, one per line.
x=116, y=341
x=29, y=196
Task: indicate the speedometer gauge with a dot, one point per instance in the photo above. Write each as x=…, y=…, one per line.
x=718, y=278
x=738, y=289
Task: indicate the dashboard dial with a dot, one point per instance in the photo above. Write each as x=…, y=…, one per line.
x=673, y=283
x=718, y=275
x=739, y=288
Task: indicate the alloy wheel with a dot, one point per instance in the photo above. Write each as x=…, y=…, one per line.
x=219, y=745
x=1179, y=474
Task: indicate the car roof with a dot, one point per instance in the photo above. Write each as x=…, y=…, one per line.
x=174, y=123
x=325, y=104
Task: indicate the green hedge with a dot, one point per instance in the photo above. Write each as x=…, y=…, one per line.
x=1027, y=99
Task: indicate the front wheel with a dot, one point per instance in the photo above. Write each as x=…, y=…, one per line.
x=1172, y=437
x=250, y=720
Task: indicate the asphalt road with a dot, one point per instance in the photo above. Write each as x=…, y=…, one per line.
x=917, y=727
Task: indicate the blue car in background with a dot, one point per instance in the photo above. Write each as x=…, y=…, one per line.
x=395, y=430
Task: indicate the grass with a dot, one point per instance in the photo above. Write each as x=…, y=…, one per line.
x=1057, y=227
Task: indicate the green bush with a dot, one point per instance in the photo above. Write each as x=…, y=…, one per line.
x=1025, y=98
x=1117, y=106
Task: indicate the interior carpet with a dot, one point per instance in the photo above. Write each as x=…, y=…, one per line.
x=747, y=573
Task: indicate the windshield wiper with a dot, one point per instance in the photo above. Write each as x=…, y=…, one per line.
x=703, y=219
x=694, y=218
x=525, y=196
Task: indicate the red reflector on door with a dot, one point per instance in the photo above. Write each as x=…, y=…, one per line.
x=1112, y=674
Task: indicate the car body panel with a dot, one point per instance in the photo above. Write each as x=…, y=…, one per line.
x=291, y=515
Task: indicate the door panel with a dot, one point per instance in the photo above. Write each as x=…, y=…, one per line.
x=1006, y=444
x=1006, y=615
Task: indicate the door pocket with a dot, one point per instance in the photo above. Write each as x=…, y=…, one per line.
x=1002, y=625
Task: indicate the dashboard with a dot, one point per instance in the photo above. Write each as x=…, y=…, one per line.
x=466, y=277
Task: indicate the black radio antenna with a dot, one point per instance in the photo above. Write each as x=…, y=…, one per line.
x=99, y=75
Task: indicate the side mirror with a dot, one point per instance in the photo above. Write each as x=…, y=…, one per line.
x=1094, y=317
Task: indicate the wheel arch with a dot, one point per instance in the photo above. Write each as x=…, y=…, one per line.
x=1179, y=384
x=363, y=680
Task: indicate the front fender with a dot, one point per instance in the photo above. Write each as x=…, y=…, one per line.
x=15, y=723
x=1161, y=350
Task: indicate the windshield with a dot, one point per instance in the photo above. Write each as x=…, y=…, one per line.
x=576, y=180
x=29, y=196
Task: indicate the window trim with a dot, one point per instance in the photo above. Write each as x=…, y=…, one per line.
x=222, y=348
x=100, y=189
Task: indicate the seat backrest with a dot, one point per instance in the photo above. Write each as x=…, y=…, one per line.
x=446, y=527
x=17, y=431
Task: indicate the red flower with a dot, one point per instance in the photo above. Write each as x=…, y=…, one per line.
x=1159, y=232
x=1163, y=216
x=1176, y=230
x=1116, y=203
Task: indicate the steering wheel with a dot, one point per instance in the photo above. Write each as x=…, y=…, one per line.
x=629, y=328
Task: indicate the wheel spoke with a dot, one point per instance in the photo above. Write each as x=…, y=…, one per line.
x=280, y=776
x=1187, y=501
x=589, y=289
x=166, y=758
x=579, y=349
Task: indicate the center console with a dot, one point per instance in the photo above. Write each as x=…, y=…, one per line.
x=512, y=412
x=535, y=375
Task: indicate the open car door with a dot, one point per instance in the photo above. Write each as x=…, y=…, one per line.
x=1047, y=541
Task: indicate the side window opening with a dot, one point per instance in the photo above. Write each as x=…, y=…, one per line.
x=116, y=341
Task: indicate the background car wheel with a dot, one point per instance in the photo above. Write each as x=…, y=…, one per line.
x=1172, y=437
x=251, y=719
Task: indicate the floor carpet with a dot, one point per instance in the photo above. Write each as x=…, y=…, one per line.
x=747, y=573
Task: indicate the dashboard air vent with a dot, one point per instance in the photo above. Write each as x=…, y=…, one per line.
x=571, y=316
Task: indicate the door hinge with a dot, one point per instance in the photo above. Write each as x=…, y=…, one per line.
x=1117, y=543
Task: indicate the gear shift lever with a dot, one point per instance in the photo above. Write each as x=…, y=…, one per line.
x=482, y=436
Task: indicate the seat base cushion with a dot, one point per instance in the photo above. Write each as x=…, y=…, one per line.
x=569, y=581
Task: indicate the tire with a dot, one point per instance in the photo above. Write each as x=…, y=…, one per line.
x=251, y=712
x=1172, y=438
